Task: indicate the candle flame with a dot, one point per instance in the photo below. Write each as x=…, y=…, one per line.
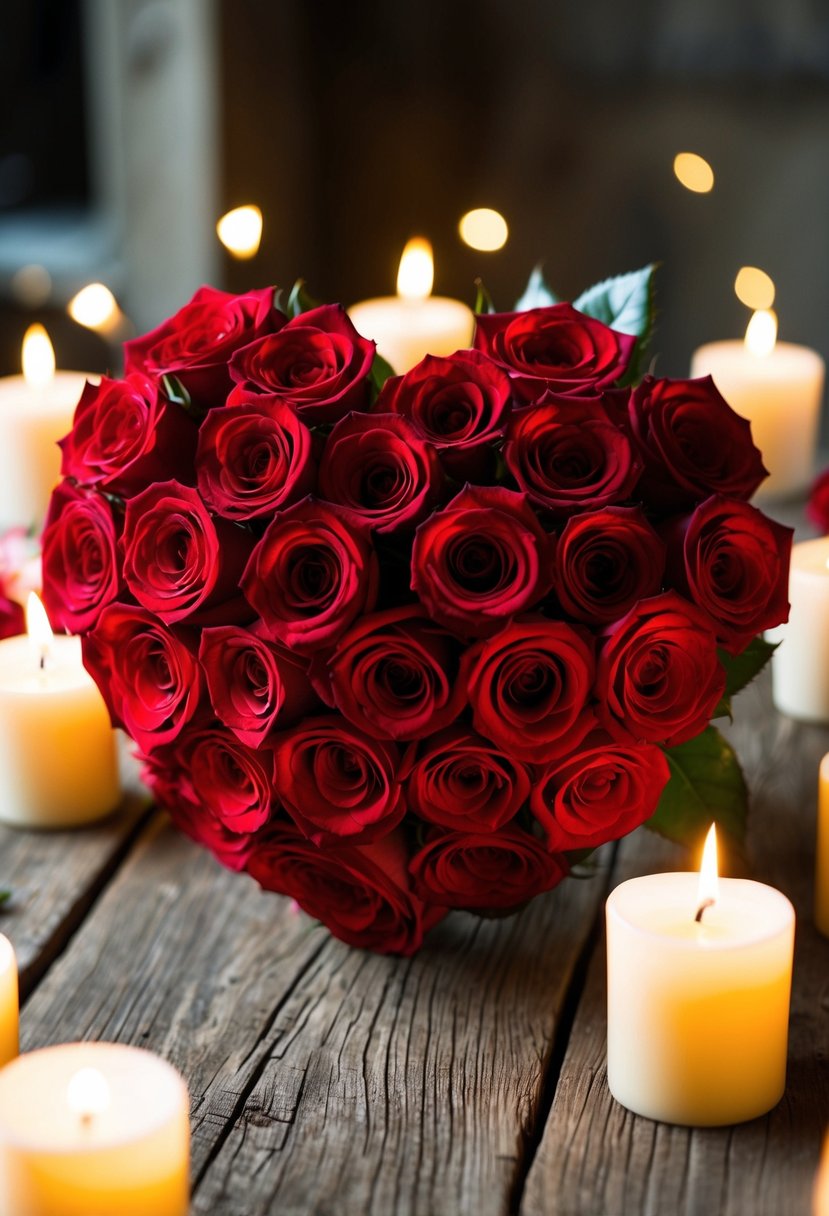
x=37, y=357
x=761, y=333
x=754, y=288
x=94, y=306
x=87, y=1093
x=417, y=270
x=709, y=882
x=38, y=627
x=240, y=231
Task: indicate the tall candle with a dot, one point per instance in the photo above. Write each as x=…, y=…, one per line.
x=800, y=665
x=9, y=1002
x=822, y=853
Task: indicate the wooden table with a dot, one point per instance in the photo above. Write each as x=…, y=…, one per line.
x=469, y=1079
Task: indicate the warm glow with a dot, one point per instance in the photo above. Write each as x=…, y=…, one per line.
x=240, y=231
x=94, y=306
x=709, y=883
x=38, y=627
x=484, y=229
x=754, y=288
x=417, y=270
x=38, y=357
x=87, y=1093
x=693, y=172
x=761, y=332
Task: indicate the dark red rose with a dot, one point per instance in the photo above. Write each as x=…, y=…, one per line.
x=817, y=508
x=659, y=678
x=460, y=780
x=317, y=363
x=180, y=562
x=196, y=343
x=12, y=618
x=488, y=870
x=337, y=783
x=482, y=559
x=601, y=793
x=395, y=674
x=608, y=560
x=80, y=558
x=571, y=456
x=734, y=563
x=554, y=350
x=362, y=895
x=529, y=688
x=254, y=457
x=380, y=471
x=311, y=575
x=126, y=435
x=693, y=444
x=148, y=675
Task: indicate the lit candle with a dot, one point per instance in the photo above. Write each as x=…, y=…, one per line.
x=800, y=665
x=778, y=386
x=699, y=977
x=822, y=1183
x=414, y=323
x=58, y=761
x=93, y=1129
x=9, y=1002
x=36, y=410
x=822, y=857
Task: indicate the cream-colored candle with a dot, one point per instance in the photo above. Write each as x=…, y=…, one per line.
x=9, y=1002
x=800, y=665
x=93, y=1129
x=414, y=323
x=822, y=855
x=698, y=1010
x=779, y=387
x=821, y=1206
x=58, y=760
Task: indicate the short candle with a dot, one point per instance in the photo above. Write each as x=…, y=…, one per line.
x=800, y=665
x=822, y=855
x=9, y=1002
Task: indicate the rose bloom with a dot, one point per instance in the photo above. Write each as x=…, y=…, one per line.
x=317, y=363
x=148, y=675
x=600, y=793
x=311, y=575
x=608, y=560
x=80, y=558
x=693, y=444
x=817, y=508
x=482, y=559
x=484, y=870
x=126, y=435
x=460, y=780
x=554, y=350
x=362, y=895
x=659, y=678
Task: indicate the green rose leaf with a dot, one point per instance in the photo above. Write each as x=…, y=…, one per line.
x=741, y=669
x=483, y=300
x=177, y=394
x=706, y=785
x=5, y=896
x=299, y=301
x=537, y=293
x=626, y=304
x=381, y=371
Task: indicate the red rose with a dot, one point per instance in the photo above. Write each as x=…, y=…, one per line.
x=554, y=350
x=362, y=895
x=253, y=458
x=311, y=575
x=608, y=560
x=571, y=456
x=317, y=363
x=126, y=435
x=12, y=618
x=817, y=508
x=337, y=783
x=148, y=675
x=488, y=870
x=461, y=780
x=178, y=561
x=734, y=563
x=601, y=793
x=196, y=343
x=529, y=688
x=482, y=559
x=380, y=471
x=659, y=678
x=80, y=559
x=692, y=442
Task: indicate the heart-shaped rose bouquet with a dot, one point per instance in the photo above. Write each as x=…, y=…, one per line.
x=400, y=644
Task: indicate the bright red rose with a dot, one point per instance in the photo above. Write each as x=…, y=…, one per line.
x=554, y=350
x=254, y=457
x=148, y=675
x=601, y=793
x=460, y=780
x=317, y=363
x=337, y=783
x=12, y=618
x=80, y=559
x=608, y=560
x=180, y=562
x=482, y=559
x=734, y=563
x=196, y=343
x=659, y=678
x=311, y=575
x=484, y=870
x=693, y=444
x=817, y=508
x=529, y=687
x=126, y=435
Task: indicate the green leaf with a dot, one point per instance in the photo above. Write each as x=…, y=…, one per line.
x=741, y=669
x=381, y=371
x=706, y=784
x=483, y=300
x=177, y=394
x=5, y=896
x=625, y=303
x=299, y=301
x=537, y=293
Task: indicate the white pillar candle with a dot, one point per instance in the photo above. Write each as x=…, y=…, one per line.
x=9, y=1002
x=822, y=854
x=93, y=1129
x=697, y=1014
x=414, y=323
x=800, y=665
x=58, y=760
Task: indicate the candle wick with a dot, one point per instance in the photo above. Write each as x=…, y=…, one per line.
x=86, y=1118
x=43, y=660
x=706, y=903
